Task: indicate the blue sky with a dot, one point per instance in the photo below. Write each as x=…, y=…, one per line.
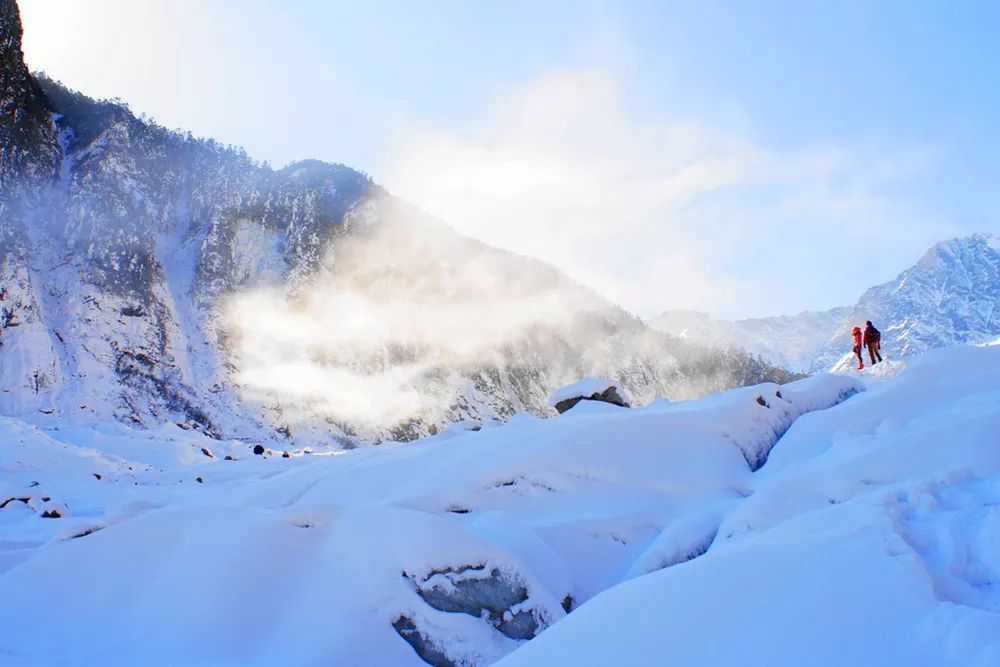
x=743, y=158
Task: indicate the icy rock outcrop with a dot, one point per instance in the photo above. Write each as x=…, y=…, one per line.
x=476, y=590
x=587, y=389
x=499, y=598
x=424, y=646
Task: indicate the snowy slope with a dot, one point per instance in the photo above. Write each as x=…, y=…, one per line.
x=871, y=537
x=808, y=523
x=320, y=559
x=949, y=296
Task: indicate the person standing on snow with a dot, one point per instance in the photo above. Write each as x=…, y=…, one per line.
x=873, y=341
x=856, y=334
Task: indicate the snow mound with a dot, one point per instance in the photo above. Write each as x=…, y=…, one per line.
x=848, y=365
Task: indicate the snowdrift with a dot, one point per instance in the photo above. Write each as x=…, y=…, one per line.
x=805, y=527
x=872, y=537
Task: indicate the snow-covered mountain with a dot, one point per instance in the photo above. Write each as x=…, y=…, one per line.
x=150, y=276
x=952, y=295
x=837, y=520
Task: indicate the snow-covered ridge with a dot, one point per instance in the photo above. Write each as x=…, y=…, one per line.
x=949, y=296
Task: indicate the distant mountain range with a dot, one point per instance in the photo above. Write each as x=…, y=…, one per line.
x=951, y=295
x=123, y=245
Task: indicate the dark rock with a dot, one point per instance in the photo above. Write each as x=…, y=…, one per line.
x=761, y=402
x=132, y=311
x=286, y=455
x=97, y=475
x=88, y=531
x=199, y=480
x=207, y=452
x=425, y=647
x=229, y=457
x=567, y=603
x=258, y=449
x=474, y=590
x=609, y=395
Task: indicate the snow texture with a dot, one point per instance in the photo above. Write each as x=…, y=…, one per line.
x=458, y=548
x=871, y=537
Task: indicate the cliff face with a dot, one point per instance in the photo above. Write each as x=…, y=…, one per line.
x=28, y=145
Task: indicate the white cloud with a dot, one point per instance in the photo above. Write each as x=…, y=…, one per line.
x=660, y=212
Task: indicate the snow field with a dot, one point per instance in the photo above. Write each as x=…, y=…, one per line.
x=866, y=536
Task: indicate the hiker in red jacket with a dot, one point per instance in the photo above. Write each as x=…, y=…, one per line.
x=856, y=334
x=873, y=341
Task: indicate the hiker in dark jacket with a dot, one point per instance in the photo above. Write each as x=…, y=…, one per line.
x=873, y=341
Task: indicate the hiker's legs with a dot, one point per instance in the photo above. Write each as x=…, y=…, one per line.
x=857, y=353
x=871, y=353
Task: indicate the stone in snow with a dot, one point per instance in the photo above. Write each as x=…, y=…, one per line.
x=589, y=389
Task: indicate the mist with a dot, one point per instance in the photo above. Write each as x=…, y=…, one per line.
x=391, y=318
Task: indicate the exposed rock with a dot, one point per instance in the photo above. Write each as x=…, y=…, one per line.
x=207, y=452
x=425, y=647
x=286, y=455
x=474, y=590
x=258, y=450
x=54, y=510
x=587, y=389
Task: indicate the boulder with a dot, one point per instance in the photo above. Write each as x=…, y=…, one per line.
x=587, y=389
x=425, y=647
x=481, y=592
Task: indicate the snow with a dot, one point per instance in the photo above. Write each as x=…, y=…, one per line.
x=870, y=538
x=586, y=388
x=841, y=519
